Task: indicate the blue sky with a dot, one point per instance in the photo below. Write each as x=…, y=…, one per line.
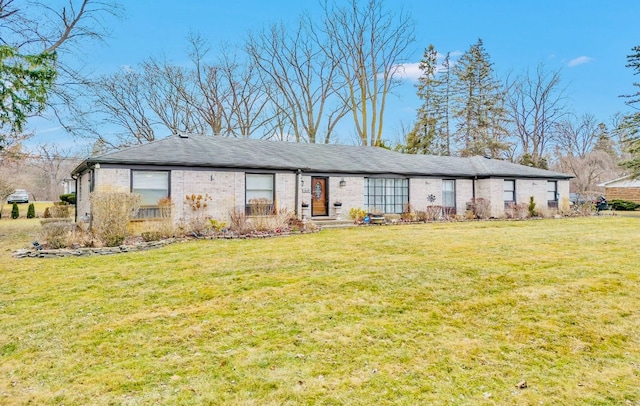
x=587, y=39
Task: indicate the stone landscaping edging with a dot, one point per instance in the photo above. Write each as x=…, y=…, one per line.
x=141, y=246
x=86, y=252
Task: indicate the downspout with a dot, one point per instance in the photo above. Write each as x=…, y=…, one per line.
x=75, y=216
x=473, y=188
x=297, y=211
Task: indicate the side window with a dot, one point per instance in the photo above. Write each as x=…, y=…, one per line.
x=259, y=193
x=552, y=194
x=151, y=186
x=509, y=191
x=449, y=193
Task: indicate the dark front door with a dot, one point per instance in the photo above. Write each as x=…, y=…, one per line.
x=319, y=201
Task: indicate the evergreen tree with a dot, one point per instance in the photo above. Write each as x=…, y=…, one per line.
x=15, y=211
x=604, y=142
x=630, y=124
x=421, y=137
x=430, y=134
x=31, y=211
x=26, y=82
x=479, y=105
x=443, y=89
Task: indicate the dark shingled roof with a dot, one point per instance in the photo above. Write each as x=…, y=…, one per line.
x=241, y=153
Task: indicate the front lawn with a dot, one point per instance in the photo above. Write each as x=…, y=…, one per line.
x=445, y=313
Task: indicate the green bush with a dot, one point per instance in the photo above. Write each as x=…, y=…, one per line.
x=31, y=211
x=69, y=198
x=532, y=207
x=15, y=212
x=623, y=205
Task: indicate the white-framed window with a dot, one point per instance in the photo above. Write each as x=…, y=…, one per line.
x=389, y=195
x=552, y=193
x=259, y=193
x=509, y=191
x=150, y=185
x=449, y=193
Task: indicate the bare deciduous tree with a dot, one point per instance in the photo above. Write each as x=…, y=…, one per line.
x=169, y=93
x=133, y=105
x=576, y=136
x=119, y=114
x=585, y=149
x=53, y=163
x=535, y=104
x=299, y=77
x=369, y=43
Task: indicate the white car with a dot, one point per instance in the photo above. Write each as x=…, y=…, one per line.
x=19, y=196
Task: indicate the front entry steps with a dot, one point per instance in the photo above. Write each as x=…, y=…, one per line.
x=331, y=222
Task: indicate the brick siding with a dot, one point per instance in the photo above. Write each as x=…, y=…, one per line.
x=623, y=193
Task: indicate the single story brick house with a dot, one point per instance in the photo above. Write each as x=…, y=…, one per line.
x=624, y=188
x=308, y=179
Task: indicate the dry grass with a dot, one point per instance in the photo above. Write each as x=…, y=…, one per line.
x=454, y=313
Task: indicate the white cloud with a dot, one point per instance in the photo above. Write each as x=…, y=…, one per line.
x=410, y=71
x=581, y=60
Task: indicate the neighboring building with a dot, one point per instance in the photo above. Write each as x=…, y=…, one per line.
x=624, y=188
x=236, y=172
x=69, y=186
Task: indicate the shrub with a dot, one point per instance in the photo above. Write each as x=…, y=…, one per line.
x=31, y=211
x=274, y=222
x=531, y=208
x=238, y=221
x=15, y=211
x=112, y=212
x=623, y=205
x=69, y=198
x=357, y=214
x=261, y=207
x=420, y=215
x=433, y=213
x=242, y=224
x=217, y=226
x=516, y=211
x=57, y=211
x=151, y=236
x=479, y=208
x=63, y=234
x=196, y=211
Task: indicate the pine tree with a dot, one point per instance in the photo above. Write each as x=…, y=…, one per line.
x=479, y=105
x=630, y=124
x=443, y=88
x=430, y=134
x=421, y=137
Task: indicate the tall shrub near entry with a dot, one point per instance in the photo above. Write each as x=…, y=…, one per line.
x=111, y=213
x=15, y=211
x=31, y=211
